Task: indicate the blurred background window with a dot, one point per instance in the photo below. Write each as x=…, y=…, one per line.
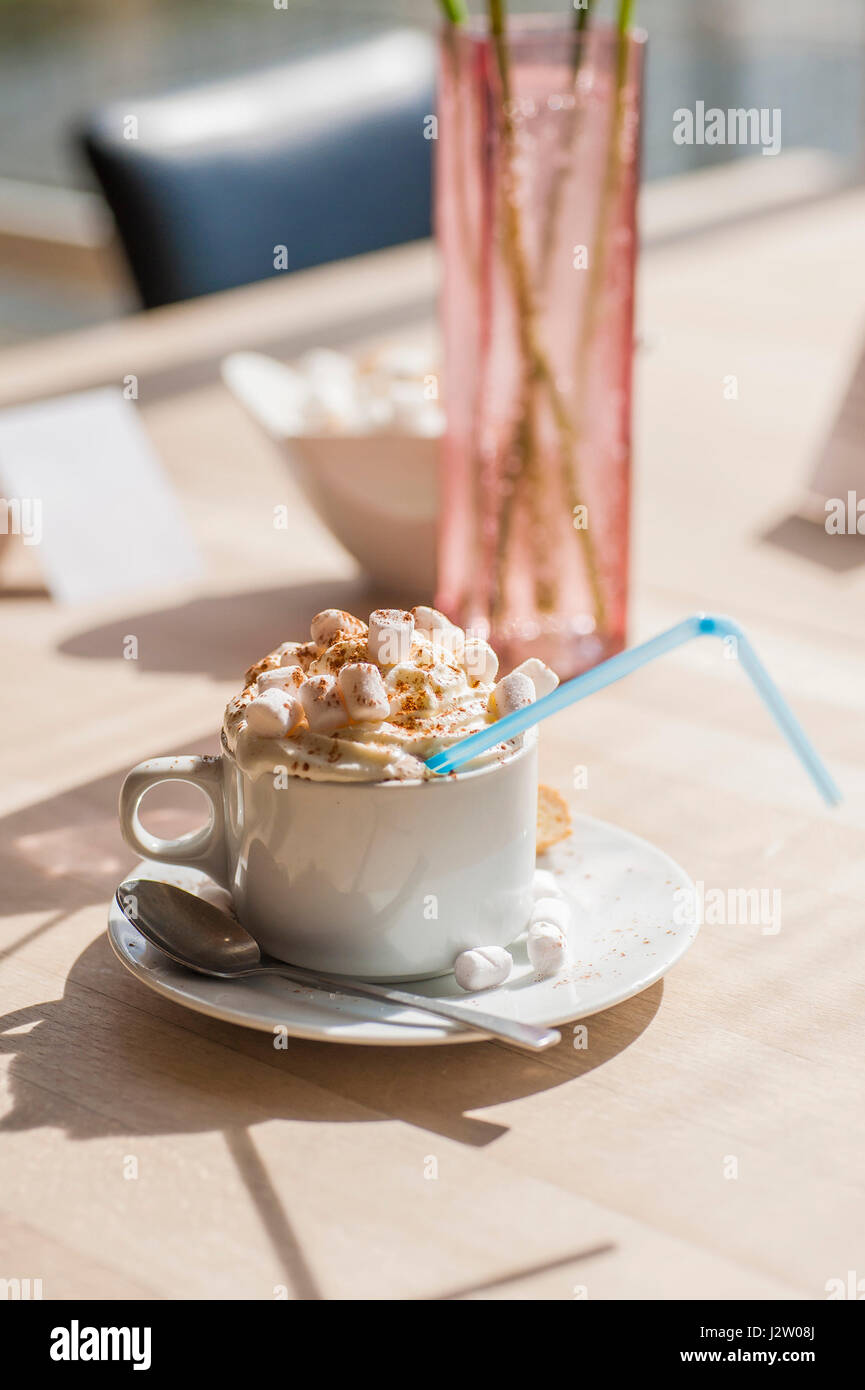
x=61, y=59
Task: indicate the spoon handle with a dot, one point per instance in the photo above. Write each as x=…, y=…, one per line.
x=510, y=1030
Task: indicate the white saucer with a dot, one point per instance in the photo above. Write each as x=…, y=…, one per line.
x=624, y=937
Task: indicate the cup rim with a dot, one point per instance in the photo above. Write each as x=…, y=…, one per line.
x=455, y=778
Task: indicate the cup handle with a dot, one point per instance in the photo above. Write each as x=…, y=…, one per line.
x=199, y=849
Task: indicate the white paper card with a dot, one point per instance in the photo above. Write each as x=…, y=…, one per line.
x=83, y=483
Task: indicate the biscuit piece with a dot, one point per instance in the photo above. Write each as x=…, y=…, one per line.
x=554, y=818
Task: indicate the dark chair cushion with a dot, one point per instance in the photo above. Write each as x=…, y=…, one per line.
x=325, y=156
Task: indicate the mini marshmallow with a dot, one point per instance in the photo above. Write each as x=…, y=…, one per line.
x=421, y=419
x=555, y=910
x=267, y=663
x=479, y=660
x=547, y=947
x=390, y=634
x=445, y=679
x=363, y=691
x=407, y=404
x=340, y=653
x=402, y=361
x=482, y=968
x=428, y=620
x=542, y=677
x=512, y=692
x=274, y=713
x=545, y=885
x=447, y=639
x=280, y=678
x=447, y=644
x=334, y=394
x=411, y=691
x=322, y=704
x=327, y=625
x=295, y=653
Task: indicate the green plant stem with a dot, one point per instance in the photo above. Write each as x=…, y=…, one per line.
x=459, y=139
x=626, y=14
x=455, y=11
x=609, y=189
x=597, y=265
x=460, y=127
x=525, y=439
x=582, y=16
x=536, y=367
x=571, y=126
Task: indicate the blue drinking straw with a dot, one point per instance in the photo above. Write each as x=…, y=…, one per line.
x=698, y=625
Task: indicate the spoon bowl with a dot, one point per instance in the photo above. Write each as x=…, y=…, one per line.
x=198, y=935
x=187, y=929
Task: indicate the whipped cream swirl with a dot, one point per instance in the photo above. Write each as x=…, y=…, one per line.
x=398, y=690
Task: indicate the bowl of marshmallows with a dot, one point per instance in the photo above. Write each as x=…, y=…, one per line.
x=362, y=439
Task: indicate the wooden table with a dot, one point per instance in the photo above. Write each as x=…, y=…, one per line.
x=607, y=1172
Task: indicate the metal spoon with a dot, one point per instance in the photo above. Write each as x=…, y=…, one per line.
x=199, y=936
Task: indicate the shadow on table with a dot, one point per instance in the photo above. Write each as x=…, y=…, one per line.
x=110, y=1057
x=812, y=542
x=65, y=854
x=220, y=635
x=145, y=1064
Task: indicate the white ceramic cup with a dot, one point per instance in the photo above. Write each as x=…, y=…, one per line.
x=377, y=880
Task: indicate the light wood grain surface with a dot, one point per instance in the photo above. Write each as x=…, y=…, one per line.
x=601, y=1173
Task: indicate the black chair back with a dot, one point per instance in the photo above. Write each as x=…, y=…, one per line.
x=312, y=161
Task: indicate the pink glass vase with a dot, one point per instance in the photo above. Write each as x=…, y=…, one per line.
x=536, y=176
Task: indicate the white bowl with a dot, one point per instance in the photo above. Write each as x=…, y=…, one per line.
x=377, y=493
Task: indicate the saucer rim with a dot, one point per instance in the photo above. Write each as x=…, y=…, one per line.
x=370, y=1032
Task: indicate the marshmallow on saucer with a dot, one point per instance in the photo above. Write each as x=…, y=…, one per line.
x=390, y=634
x=554, y=910
x=542, y=677
x=362, y=689
x=545, y=885
x=479, y=660
x=331, y=623
x=280, y=678
x=547, y=947
x=512, y=692
x=275, y=713
x=547, y=941
x=484, y=967
x=322, y=704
